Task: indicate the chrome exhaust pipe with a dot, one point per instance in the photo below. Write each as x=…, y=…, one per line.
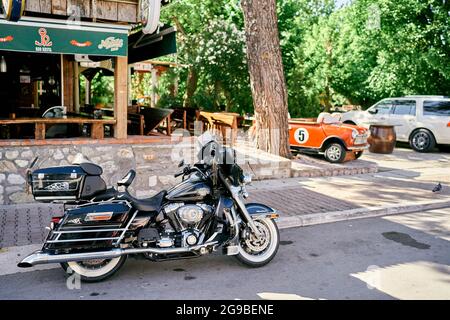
x=40, y=257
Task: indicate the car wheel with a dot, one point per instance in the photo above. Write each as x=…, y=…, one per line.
x=335, y=153
x=422, y=140
x=350, y=122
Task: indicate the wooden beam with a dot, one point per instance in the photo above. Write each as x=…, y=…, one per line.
x=127, y=12
x=76, y=87
x=112, y=10
x=120, y=97
x=106, y=10
x=16, y=121
x=46, y=6
x=59, y=7
x=39, y=131
x=68, y=76
x=97, y=131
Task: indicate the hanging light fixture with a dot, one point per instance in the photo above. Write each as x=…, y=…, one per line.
x=51, y=80
x=3, y=65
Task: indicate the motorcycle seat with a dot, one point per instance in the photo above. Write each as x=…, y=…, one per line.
x=152, y=204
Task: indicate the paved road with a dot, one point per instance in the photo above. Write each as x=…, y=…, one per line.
x=396, y=257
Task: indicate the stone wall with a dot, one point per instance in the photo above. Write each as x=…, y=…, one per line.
x=155, y=165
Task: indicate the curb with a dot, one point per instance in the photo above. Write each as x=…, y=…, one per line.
x=359, y=213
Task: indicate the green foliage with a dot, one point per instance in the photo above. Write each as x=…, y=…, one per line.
x=211, y=41
x=380, y=48
x=102, y=90
x=357, y=54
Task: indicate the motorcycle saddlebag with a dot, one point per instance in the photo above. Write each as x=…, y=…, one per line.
x=90, y=226
x=66, y=183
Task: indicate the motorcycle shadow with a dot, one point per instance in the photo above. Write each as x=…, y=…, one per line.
x=138, y=265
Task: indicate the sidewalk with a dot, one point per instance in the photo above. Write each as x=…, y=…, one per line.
x=403, y=184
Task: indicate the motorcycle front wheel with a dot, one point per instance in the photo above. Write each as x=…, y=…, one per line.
x=94, y=270
x=257, y=252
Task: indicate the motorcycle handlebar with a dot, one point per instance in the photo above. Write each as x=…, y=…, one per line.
x=176, y=175
x=187, y=170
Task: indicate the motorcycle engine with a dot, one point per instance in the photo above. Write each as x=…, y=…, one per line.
x=185, y=220
x=190, y=214
x=184, y=216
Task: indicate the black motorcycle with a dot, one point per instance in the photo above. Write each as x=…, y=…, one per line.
x=102, y=226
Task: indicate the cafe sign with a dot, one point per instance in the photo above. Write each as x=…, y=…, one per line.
x=57, y=37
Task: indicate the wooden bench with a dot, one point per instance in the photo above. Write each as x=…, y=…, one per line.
x=97, y=130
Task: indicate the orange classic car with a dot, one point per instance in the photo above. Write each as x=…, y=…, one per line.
x=327, y=135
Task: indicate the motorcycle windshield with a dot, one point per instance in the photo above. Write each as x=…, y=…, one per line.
x=213, y=151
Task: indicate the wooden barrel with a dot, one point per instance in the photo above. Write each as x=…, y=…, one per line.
x=382, y=138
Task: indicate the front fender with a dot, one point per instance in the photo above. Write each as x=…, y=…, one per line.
x=259, y=209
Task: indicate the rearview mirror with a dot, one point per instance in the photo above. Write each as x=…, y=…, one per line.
x=33, y=163
x=181, y=163
x=373, y=111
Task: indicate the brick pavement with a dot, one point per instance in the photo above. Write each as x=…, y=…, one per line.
x=294, y=201
x=25, y=224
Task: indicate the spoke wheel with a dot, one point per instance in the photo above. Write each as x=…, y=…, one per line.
x=258, y=251
x=95, y=269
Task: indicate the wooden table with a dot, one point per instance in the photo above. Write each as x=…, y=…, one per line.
x=97, y=131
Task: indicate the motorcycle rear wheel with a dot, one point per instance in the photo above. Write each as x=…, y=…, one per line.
x=255, y=252
x=94, y=270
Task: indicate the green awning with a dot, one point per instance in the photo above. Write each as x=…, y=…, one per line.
x=61, y=36
x=149, y=46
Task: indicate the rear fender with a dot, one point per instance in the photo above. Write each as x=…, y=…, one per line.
x=261, y=210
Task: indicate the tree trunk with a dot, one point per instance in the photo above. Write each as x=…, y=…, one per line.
x=191, y=87
x=267, y=80
x=192, y=79
x=328, y=91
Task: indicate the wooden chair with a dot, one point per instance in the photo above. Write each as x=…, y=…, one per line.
x=136, y=124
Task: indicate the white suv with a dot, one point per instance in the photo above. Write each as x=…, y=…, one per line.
x=423, y=121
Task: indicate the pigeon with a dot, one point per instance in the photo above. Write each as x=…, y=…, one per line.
x=437, y=188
